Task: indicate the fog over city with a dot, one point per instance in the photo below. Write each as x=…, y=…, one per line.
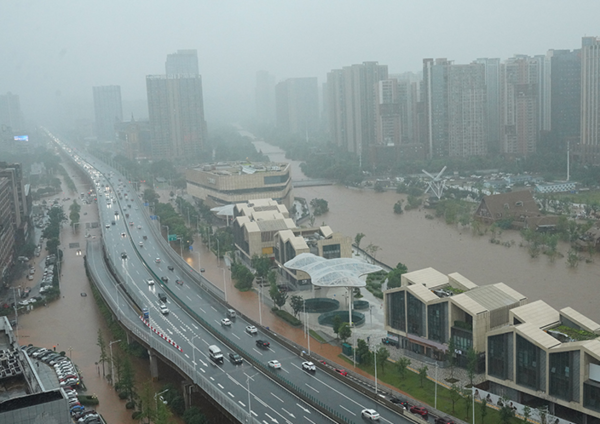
x=53, y=52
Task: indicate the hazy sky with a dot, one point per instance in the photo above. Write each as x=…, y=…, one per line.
x=53, y=51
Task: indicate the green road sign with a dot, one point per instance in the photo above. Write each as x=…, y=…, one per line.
x=172, y=237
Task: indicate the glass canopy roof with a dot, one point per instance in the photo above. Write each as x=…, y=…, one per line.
x=340, y=272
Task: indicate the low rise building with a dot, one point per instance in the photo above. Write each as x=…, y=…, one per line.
x=430, y=308
x=545, y=356
x=236, y=182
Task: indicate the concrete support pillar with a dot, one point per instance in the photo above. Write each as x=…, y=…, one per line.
x=188, y=387
x=129, y=338
x=153, y=365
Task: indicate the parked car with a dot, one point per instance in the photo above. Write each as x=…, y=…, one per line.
x=419, y=410
x=370, y=414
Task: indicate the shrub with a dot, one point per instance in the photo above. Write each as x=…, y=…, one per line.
x=130, y=405
x=122, y=395
x=286, y=316
x=88, y=400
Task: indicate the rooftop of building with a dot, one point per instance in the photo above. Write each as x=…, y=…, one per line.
x=223, y=169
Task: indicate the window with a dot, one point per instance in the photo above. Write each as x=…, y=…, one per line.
x=416, y=316
x=396, y=311
x=332, y=251
x=528, y=364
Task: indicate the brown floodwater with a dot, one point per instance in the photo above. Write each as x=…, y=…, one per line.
x=419, y=243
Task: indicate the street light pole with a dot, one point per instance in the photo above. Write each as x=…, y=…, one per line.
x=436, y=383
x=218, y=250
x=112, y=364
x=248, y=378
x=260, y=302
x=194, y=353
x=375, y=356
x=224, y=285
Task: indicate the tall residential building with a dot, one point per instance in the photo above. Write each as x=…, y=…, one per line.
x=590, y=91
x=108, y=110
x=297, y=106
x=467, y=110
x=10, y=114
x=184, y=62
x=565, y=109
x=387, y=113
x=434, y=96
x=455, y=109
x=408, y=98
x=494, y=116
x=264, y=96
x=176, y=113
x=520, y=100
x=7, y=229
x=176, y=108
x=544, y=91
x=351, y=100
x=134, y=139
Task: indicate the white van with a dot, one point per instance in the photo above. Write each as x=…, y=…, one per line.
x=215, y=354
x=231, y=314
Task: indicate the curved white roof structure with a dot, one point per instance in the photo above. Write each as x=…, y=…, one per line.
x=341, y=272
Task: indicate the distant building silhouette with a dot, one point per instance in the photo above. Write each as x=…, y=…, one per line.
x=264, y=96
x=108, y=111
x=297, y=105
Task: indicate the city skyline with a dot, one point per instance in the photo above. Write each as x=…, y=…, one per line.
x=53, y=66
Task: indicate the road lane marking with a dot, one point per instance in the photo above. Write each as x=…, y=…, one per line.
x=220, y=386
x=310, y=387
x=231, y=394
x=187, y=356
x=347, y=410
x=279, y=399
x=236, y=336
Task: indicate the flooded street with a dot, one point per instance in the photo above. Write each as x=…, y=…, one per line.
x=419, y=243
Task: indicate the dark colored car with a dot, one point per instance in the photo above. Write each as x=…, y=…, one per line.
x=444, y=420
x=419, y=410
x=263, y=344
x=165, y=278
x=123, y=255
x=235, y=358
x=180, y=282
x=170, y=268
x=162, y=297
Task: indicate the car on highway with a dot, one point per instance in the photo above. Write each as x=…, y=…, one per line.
x=263, y=344
x=139, y=227
x=370, y=414
x=309, y=366
x=419, y=410
x=123, y=255
x=180, y=282
x=162, y=297
x=250, y=329
x=170, y=268
x=226, y=322
x=123, y=235
x=163, y=309
x=202, y=270
x=150, y=282
x=141, y=243
x=274, y=363
x=165, y=278
x=131, y=223
x=235, y=358
x=157, y=260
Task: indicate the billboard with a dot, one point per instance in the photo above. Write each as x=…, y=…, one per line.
x=21, y=138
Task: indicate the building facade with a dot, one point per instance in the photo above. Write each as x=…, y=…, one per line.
x=492, y=92
x=176, y=112
x=134, y=139
x=264, y=98
x=10, y=113
x=108, y=111
x=297, y=106
x=590, y=91
x=7, y=229
x=566, y=96
x=235, y=182
x=184, y=62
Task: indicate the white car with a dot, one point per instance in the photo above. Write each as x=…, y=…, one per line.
x=163, y=309
x=157, y=260
x=226, y=322
x=150, y=282
x=250, y=329
x=308, y=366
x=274, y=364
x=371, y=414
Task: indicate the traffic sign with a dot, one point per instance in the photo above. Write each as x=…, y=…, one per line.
x=172, y=237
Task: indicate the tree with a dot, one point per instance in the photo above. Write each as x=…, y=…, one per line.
x=103, y=356
x=146, y=402
x=423, y=374
x=344, y=332
x=150, y=196
x=297, y=304
x=362, y=352
x=394, y=277
x=483, y=410
x=127, y=381
x=320, y=206
x=450, y=356
x=506, y=412
x=163, y=413
x=454, y=395
x=471, y=364
x=372, y=250
x=382, y=355
x=193, y=415
x=356, y=293
x=526, y=414
x=467, y=395
x=398, y=207
x=402, y=365
x=358, y=238
x=277, y=296
x=272, y=277
x=261, y=264
x=337, y=323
